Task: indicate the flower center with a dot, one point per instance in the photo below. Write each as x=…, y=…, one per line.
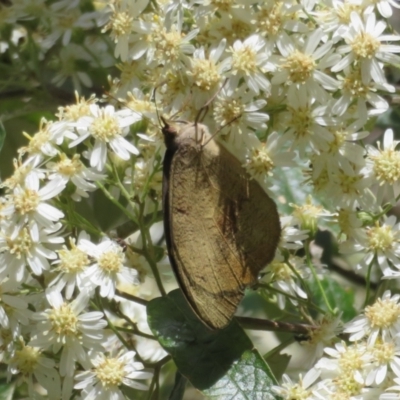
x=26, y=201
x=259, y=162
x=69, y=167
x=384, y=313
x=26, y=359
x=205, y=74
x=21, y=245
x=300, y=67
x=354, y=85
x=301, y=121
x=111, y=261
x=74, y=260
x=387, y=166
x=244, y=60
x=105, y=128
x=281, y=271
x=64, y=321
x=365, y=45
x=380, y=238
x=110, y=372
x=384, y=352
x=121, y=24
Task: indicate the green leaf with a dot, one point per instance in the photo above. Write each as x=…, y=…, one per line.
x=2, y=135
x=339, y=297
x=222, y=363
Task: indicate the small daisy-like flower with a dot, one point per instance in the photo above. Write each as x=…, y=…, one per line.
x=305, y=67
x=73, y=112
x=305, y=125
x=383, y=163
x=26, y=247
x=72, y=267
x=385, y=356
x=303, y=389
x=364, y=45
x=248, y=62
x=73, y=169
x=108, y=128
x=110, y=267
x=42, y=143
x=13, y=308
x=66, y=326
x=344, y=361
x=380, y=242
x=30, y=365
x=349, y=223
x=108, y=374
x=380, y=321
x=206, y=73
x=262, y=158
x=237, y=112
x=284, y=275
x=29, y=204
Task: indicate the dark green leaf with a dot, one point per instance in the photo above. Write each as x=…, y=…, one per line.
x=223, y=363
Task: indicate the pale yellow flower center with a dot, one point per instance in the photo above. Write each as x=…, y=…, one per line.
x=18, y=177
x=121, y=24
x=105, y=128
x=351, y=361
x=69, y=167
x=384, y=352
x=269, y=21
x=384, y=313
x=39, y=139
x=280, y=271
x=298, y=392
x=365, y=45
x=64, y=321
x=227, y=111
x=111, y=261
x=339, y=138
x=110, y=372
x=380, y=238
x=387, y=166
x=301, y=121
x=26, y=201
x=75, y=111
x=168, y=45
x=308, y=214
x=354, y=85
x=347, y=386
x=300, y=67
x=259, y=162
x=21, y=245
x=205, y=74
x=26, y=359
x=74, y=260
x=244, y=60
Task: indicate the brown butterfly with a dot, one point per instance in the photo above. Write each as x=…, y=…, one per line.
x=221, y=227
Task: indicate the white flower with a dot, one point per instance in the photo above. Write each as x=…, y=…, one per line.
x=284, y=276
x=109, y=268
x=248, y=62
x=303, y=389
x=380, y=321
x=385, y=356
x=383, y=6
x=383, y=164
x=107, y=127
x=364, y=45
x=65, y=326
x=72, y=266
x=75, y=171
x=28, y=205
x=34, y=368
x=305, y=67
x=13, y=308
x=27, y=246
x=108, y=374
x=380, y=242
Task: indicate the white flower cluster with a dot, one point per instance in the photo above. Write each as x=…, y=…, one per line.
x=368, y=368
x=288, y=85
